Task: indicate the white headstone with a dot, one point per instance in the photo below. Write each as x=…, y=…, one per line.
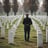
x=7, y=26
x=11, y=23
x=0, y=23
x=47, y=34
x=39, y=39
x=11, y=37
x=3, y=31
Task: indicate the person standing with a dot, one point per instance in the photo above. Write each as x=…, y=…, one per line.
x=27, y=22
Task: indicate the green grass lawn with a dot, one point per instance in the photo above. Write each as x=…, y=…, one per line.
x=19, y=40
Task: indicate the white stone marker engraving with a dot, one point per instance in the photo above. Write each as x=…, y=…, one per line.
x=39, y=39
x=46, y=34
x=7, y=26
x=2, y=32
x=11, y=37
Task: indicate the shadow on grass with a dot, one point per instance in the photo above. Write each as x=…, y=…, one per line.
x=16, y=37
x=35, y=37
x=30, y=41
x=5, y=46
x=2, y=38
x=44, y=43
x=0, y=42
x=40, y=47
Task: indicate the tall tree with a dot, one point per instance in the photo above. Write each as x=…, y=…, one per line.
x=26, y=5
x=15, y=6
x=6, y=6
x=45, y=5
x=31, y=5
x=1, y=8
x=34, y=6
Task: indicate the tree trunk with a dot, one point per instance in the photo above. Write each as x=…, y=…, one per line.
x=7, y=14
x=47, y=13
x=14, y=13
x=34, y=13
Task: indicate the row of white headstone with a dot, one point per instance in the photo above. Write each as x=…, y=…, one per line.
x=39, y=34
x=41, y=19
x=8, y=19
x=46, y=34
x=12, y=31
x=11, y=19
x=45, y=19
x=4, y=19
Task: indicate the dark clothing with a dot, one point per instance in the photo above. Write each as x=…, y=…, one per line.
x=27, y=22
x=27, y=35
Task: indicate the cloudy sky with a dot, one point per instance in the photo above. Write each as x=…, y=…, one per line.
x=21, y=1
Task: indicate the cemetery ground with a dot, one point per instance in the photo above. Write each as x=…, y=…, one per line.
x=19, y=41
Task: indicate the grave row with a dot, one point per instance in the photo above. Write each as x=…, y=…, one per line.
x=11, y=32
x=5, y=20
x=39, y=34
x=41, y=19
x=45, y=19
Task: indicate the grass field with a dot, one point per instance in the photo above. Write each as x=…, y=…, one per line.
x=19, y=39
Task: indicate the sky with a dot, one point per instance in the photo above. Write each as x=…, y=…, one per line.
x=21, y=1
x=1, y=0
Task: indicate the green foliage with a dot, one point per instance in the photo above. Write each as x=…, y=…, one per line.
x=45, y=5
x=31, y=5
x=6, y=6
x=26, y=6
x=34, y=5
x=15, y=6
